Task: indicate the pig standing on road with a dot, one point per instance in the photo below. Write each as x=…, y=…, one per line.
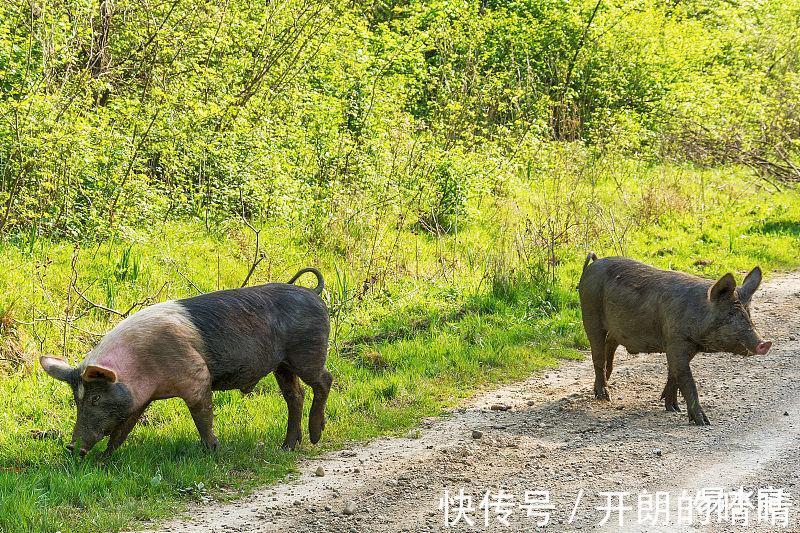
x=645, y=309
x=187, y=348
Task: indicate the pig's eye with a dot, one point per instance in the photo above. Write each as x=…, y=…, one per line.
x=95, y=399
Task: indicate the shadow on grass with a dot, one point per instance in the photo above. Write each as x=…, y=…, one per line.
x=161, y=470
x=538, y=300
x=777, y=227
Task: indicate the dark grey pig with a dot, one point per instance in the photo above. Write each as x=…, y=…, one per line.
x=645, y=309
x=187, y=348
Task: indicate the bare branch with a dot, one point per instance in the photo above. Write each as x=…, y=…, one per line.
x=182, y=275
x=69, y=321
x=258, y=256
x=127, y=173
x=123, y=314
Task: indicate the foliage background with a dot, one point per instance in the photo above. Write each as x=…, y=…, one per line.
x=446, y=163
x=307, y=110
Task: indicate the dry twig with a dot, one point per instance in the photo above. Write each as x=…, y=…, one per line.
x=135, y=305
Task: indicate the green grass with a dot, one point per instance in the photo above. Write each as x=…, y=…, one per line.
x=379, y=388
x=440, y=318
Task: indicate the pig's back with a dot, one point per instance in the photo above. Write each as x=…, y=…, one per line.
x=247, y=332
x=638, y=304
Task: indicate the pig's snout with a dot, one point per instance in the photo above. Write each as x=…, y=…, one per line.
x=763, y=347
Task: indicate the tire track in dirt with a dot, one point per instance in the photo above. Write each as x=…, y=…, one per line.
x=554, y=436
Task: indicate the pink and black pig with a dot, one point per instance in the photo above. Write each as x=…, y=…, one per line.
x=187, y=348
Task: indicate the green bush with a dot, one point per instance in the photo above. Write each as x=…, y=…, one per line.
x=293, y=109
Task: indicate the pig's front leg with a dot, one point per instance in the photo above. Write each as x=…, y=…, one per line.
x=122, y=431
x=678, y=358
x=203, y=415
x=670, y=395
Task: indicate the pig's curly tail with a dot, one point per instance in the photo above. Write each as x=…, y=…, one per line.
x=589, y=258
x=320, y=281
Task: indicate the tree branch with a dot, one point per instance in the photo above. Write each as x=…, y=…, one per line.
x=123, y=314
x=258, y=256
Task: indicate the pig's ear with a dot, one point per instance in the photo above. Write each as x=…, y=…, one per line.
x=98, y=373
x=57, y=368
x=723, y=288
x=751, y=283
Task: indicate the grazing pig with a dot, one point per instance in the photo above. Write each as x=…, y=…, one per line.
x=186, y=348
x=645, y=309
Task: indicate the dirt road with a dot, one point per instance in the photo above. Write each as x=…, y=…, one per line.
x=551, y=435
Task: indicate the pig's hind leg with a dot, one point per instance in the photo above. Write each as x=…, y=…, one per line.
x=610, y=349
x=293, y=394
x=597, y=342
x=320, y=380
x=597, y=334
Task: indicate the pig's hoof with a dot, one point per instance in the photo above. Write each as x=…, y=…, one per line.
x=315, y=426
x=700, y=419
x=289, y=443
x=211, y=444
x=601, y=393
x=672, y=407
x=315, y=435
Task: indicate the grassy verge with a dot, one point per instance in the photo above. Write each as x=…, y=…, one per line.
x=421, y=321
